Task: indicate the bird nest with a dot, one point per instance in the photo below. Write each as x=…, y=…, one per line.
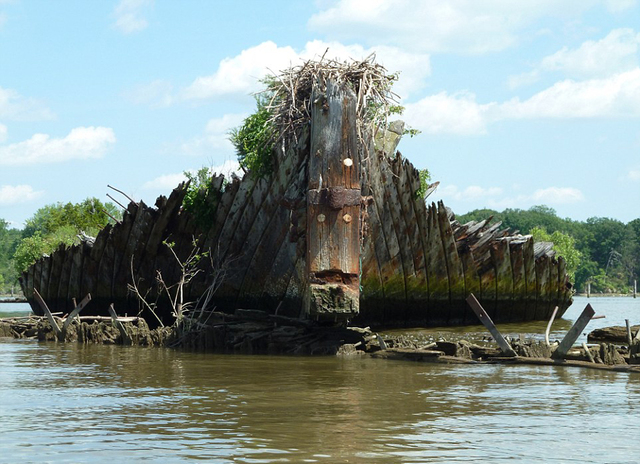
x=288, y=96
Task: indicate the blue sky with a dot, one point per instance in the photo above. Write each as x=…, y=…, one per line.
x=519, y=102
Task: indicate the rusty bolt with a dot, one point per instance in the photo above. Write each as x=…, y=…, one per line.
x=346, y=218
x=348, y=162
x=321, y=218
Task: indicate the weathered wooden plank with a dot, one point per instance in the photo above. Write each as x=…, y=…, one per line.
x=488, y=323
x=234, y=215
x=471, y=278
x=454, y=268
x=530, y=279
x=333, y=138
x=63, y=279
x=504, y=279
x=519, y=279
x=574, y=332
x=333, y=225
x=226, y=201
x=542, y=277
x=439, y=296
x=390, y=262
x=417, y=284
x=552, y=287
x=268, y=230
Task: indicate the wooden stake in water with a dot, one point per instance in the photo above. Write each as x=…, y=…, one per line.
x=589, y=290
x=488, y=323
x=635, y=287
x=629, y=337
x=47, y=312
x=574, y=332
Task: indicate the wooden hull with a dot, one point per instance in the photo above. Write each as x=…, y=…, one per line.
x=299, y=242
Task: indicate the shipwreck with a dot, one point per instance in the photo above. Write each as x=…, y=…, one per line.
x=338, y=229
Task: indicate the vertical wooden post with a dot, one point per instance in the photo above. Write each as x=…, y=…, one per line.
x=589, y=290
x=629, y=337
x=332, y=290
x=635, y=287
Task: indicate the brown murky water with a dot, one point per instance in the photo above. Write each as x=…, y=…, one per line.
x=70, y=403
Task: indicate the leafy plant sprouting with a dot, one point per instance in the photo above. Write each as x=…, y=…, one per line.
x=425, y=177
x=201, y=199
x=255, y=139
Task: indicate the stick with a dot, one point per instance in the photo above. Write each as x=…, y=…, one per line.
x=574, y=332
x=126, y=340
x=76, y=311
x=122, y=193
x=45, y=308
x=588, y=352
x=488, y=323
x=546, y=333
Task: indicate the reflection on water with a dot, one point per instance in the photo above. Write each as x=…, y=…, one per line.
x=71, y=403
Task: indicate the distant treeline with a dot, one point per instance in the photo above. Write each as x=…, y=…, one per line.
x=608, y=250
x=50, y=226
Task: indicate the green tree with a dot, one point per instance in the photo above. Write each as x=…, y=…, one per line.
x=564, y=245
x=9, y=239
x=60, y=223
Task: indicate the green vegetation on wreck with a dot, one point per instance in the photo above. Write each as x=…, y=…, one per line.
x=601, y=251
x=57, y=224
x=283, y=108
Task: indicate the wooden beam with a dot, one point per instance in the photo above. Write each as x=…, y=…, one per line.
x=126, y=339
x=75, y=312
x=574, y=332
x=488, y=323
x=47, y=312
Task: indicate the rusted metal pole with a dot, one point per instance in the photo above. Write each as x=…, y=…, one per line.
x=488, y=323
x=333, y=207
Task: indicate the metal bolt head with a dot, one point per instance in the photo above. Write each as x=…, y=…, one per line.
x=321, y=217
x=348, y=162
x=346, y=218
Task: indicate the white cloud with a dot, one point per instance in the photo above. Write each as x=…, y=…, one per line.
x=215, y=136
x=473, y=192
x=81, y=143
x=3, y=133
x=448, y=114
x=634, y=175
x=612, y=97
x=557, y=195
x=614, y=54
x=129, y=15
x=14, y=106
x=617, y=52
x=241, y=74
x=171, y=181
x=497, y=198
x=16, y=194
x=465, y=26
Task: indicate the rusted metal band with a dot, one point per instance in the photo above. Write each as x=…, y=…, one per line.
x=335, y=197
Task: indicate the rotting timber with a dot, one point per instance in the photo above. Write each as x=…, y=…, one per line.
x=338, y=232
